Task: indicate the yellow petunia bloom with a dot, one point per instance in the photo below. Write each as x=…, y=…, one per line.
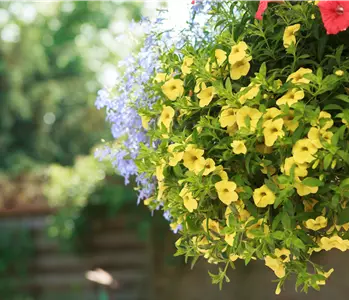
x=226, y=191
x=206, y=95
x=145, y=121
x=289, y=35
x=166, y=117
x=200, y=85
x=276, y=265
x=186, y=66
x=317, y=224
x=339, y=73
x=283, y=254
x=238, y=52
x=210, y=166
x=314, y=135
x=175, y=157
x=327, y=136
x=300, y=170
x=272, y=131
x=289, y=122
x=252, y=92
x=334, y=242
x=240, y=68
x=298, y=76
x=270, y=115
x=229, y=238
x=173, y=89
x=160, y=77
x=193, y=160
x=303, y=151
x=227, y=117
x=161, y=189
x=291, y=97
x=263, y=196
x=326, y=274
x=159, y=173
x=239, y=147
x=188, y=200
x=221, y=173
x=247, y=112
x=325, y=121
x=304, y=190
x=210, y=225
x=221, y=56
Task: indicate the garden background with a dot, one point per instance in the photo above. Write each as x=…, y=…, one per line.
x=63, y=213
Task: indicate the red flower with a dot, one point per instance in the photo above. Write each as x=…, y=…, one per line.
x=263, y=5
x=335, y=15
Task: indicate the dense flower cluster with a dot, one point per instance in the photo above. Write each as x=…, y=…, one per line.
x=251, y=129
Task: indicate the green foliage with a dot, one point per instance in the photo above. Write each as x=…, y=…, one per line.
x=253, y=134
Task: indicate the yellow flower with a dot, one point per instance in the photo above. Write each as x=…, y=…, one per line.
x=145, y=121
x=200, y=85
x=175, y=157
x=240, y=68
x=304, y=190
x=303, y=151
x=221, y=56
x=289, y=35
x=339, y=73
x=276, y=265
x=173, y=89
x=252, y=92
x=234, y=257
x=300, y=170
x=161, y=190
x=312, y=16
x=318, y=223
x=291, y=97
x=272, y=131
x=226, y=191
x=228, y=117
x=229, y=238
x=283, y=254
x=189, y=202
x=210, y=225
x=193, y=160
x=206, y=95
x=247, y=112
x=238, y=52
x=160, y=171
x=326, y=274
x=325, y=121
x=160, y=77
x=270, y=115
x=166, y=116
x=314, y=135
x=186, y=66
x=290, y=123
x=221, y=173
x=231, y=130
x=327, y=136
x=210, y=166
x=147, y=201
x=334, y=242
x=263, y=196
x=297, y=77
x=239, y=147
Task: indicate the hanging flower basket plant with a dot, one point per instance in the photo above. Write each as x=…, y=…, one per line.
x=239, y=133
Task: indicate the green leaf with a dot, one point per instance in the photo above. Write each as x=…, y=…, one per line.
x=342, y=97
x=344, y=183
x=310, y=181
x=298, y=243
x=279, y=235
x=343, y=217
x=327, y=160
x=333, y=107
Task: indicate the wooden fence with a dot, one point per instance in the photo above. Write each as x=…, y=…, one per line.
x=112, y=246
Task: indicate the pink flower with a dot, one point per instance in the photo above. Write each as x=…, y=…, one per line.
x=263, y=5
x=335, y=15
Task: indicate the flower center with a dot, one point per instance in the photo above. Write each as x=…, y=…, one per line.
x=305, y=149
x=340, y=10
x=239, y=64
x=226, y=191
x=173, y=87
x=274, y=130
x=263, y=194
x=166, y=116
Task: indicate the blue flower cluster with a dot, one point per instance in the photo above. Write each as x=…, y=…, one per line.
x=121, y=104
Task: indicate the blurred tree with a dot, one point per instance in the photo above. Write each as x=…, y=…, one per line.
x=49, y=56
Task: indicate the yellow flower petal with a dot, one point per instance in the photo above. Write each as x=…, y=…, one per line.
x=263, y=196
